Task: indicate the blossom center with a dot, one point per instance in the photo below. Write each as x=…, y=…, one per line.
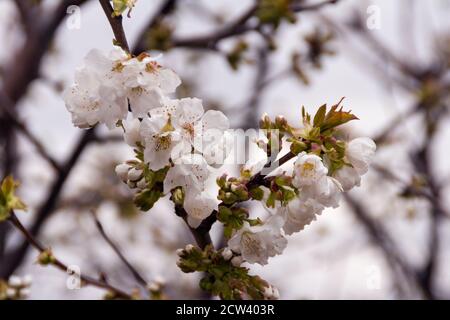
x=308, y=169
x=251, y=243
x=152, y=67
x=163, y=142
x=189, y=128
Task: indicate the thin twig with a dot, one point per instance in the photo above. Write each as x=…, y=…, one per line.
x=237, y=27
x=15, y=258
x=60, y=265
x=139, y=278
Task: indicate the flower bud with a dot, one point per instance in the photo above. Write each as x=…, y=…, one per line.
x=227, y=254
x=25, y=292
x=122, y=171
x=268, y=292
x=265, y=122
x=154, y=287
x=27, y=280
x=237, y=261
x=179, y=252
x=11, y=293
x=131, y=184
x=134, y=174
x=189, y=247
x=280, y=121
x=142, y=184
x=298, y=146
x=15, y=281
x=46, y=257
x=230, y=198
x=276, y=293
x=221, y=181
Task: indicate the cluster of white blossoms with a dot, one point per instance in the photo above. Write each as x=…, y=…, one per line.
x=18, y=287
x=177, y=145
x=316, y=190
x=134, y=93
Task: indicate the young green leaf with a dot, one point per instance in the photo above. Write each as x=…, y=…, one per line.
x=8, y=200
x=320, y=116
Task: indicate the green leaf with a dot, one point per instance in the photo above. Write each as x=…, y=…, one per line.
x=298, y=146
x=147, y=198
x=271, y=200
x=336, y=117
x=8, y=200
x=257, y=193
x=320, y=116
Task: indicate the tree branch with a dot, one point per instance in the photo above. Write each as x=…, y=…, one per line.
x=60, y=265
x=238, y=27
x=14, y=259
x=116, y=25
x=201, y=234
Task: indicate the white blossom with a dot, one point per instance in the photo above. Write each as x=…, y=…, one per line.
x=348, y=177
x=308, y=170
x=327, y=191
x=159, y=140
x=299, y=213
x=257, y=244
x=359, y=153
x=147, y=84
x=199, y=206
x=96, y=96
x=132, y=131
x=190, y=172
x=203, y=131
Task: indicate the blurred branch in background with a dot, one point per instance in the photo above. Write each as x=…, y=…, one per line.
x=426, y=83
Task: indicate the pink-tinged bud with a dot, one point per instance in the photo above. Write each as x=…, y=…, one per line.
x=280, y=121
